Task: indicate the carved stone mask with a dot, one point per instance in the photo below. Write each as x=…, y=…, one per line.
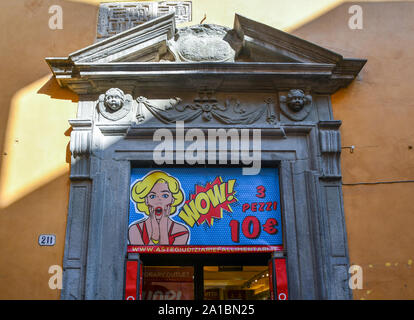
x=114, y=99
x=296, y=100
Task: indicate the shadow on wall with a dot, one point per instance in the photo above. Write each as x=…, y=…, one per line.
x=34, y=110
x=54, y=91
x=22, y=54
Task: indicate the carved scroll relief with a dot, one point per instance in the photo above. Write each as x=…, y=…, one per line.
x=114, y=105
x=207, y=107
x=81, y=137
x=330, y=146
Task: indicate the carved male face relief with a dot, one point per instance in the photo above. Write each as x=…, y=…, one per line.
x=114, y=99
x=296, y=100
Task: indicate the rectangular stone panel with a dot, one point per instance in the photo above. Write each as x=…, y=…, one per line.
x=72, y=287
x=341, y=287
x=116, y=17
x=77, y=222
x=335, y=220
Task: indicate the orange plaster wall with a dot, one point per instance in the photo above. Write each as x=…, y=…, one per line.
x=377, y=112
x=34, y=113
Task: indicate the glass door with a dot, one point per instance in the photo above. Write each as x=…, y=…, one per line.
x=168, y=283
x=236, y=283
x=208, y=277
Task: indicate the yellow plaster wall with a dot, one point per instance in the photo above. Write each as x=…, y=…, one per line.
x=34, y=137
x=376, y=113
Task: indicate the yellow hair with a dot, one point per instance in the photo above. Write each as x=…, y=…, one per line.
x=142, y=187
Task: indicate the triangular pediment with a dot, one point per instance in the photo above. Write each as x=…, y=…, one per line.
x=251, y=50
x=146, y=42
x=159, y=40
x=266, y=44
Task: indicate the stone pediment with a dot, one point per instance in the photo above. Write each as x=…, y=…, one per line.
x=157, y=50
x=146, y=42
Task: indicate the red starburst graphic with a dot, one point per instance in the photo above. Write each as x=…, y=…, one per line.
x=220, y=199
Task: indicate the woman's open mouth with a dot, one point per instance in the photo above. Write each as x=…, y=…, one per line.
x=158, y=211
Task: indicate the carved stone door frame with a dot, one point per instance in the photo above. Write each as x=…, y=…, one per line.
x=312, y=210
x=288, y=99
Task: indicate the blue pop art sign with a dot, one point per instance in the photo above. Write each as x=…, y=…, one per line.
x=203, y=210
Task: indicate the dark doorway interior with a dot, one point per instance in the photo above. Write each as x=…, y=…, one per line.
x=206, y=277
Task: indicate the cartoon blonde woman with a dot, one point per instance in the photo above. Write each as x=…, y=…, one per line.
x=157, y=195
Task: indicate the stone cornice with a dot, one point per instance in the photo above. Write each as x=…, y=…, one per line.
x=87, y=78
